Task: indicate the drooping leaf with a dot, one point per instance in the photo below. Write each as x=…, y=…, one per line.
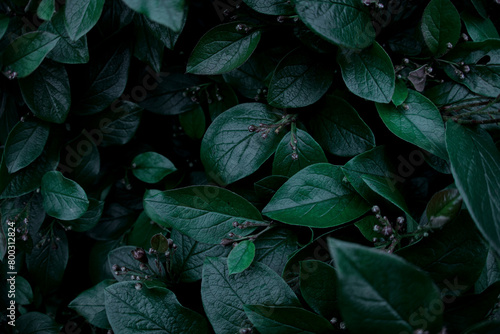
x=286, y=320
x=170, y=14
x=440, y=26
x=339, y=130
x=26, y=53
x=346, y=23
x=90, y=304
x=299, y=80
x=25, y=144
x=472, y=152
x=418, y=121
x=151, y=167
x=159, y=312
x=204, y=213
x=81, y=16
x=166, y=35
x=230, y=151
x=369, y=304
x=308, y=152
x=368, y=73
x=257, y=285
x=240, y=257
x=316, y=197
x=479, y=29
x=63, y=198
x=47, y=93
x=223, y=49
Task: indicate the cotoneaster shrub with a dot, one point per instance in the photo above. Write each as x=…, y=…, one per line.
x=255, y=166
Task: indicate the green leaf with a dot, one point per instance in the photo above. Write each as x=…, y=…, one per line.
x=170, y=14
x=148, y=48
x=286, y=320
x=122, y=123
x=217, y=105
x=204, y=213
x=418, y=121
x=26, y=53
x=105, y=82
x=443, y=207
x=48, y=259
x=25, y=144
x=63, y=198
x=81, y=159
x=490, y=273
x=316, y=197
x=274, y=247
x=90, y=305
x=479, y=29
x=339, y=130
x=66, y=50
x=400, y=93
x=300, y=79
x=454, y=255
x=151, y=167
x=345, y=23
x=47, y=93
x=37, y=323
x=268, y=186
x=131, y=310
x=229, y=151
x=4, y=24
x=24, y=293
x=241, y=257
x=89, y=219
x=318, y=287
x=483, y=60
x=122, y=257
x=271, y=7
x=368, y=73
x=46, y=9
x=440, y=26
x=223, y=49
x=257, y=285
x=189, y=256
x=372, y=301
x=472, y=152
x=166, y=35
x=193, y=122
x=307, y=150
x=142, y=230
x=81, y=16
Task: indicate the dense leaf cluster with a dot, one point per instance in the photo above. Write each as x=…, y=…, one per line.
x=250, y=166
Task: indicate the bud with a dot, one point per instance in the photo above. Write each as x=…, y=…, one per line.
x=295, y=156
x=281, y=19
x=140, y=255
x=380, y=5
x=114, y=267
x=240, y=27
x=406, y=107
x=449, y=45
x=226, y=242
x=123, y=269
x=387, y=230
x=466, y=68
x=138, y=286
x=251, y=128
x=376, y=228
x=400, y=220
x=375, y=209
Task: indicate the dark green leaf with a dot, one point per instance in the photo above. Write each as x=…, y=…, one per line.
x=440, y=26
x=346, y=23
x=27, y=52
x=299, y=80
x=63, y=198
x=479, y=29
x=484, y=327
x=334, y=202
x=193, y=122
x=24, y=293
x=365, y=226
x=286, y=320
x=121, y=125
x=36, y=323
x=204, y=213
x=271, y=7
x=48, y=259
x=417, y=121
x=170, y=14
x=307, y=151
x=339, y=130
x=89, y=219
x=472, y=152
x=229, y=151
x=25, y=144
x=116, y=219
x=90, y=305
x=4, y=24
x=81, y=16
x=490, y=273
x=151, y=167
x=189, y=256
x=107, y=79
x=318, y=285
x=148, y=48
x=81, y=159
x=223, y=49
x=217, y=105
x=131, y=310
x=368, y=73
x=46, y=9
x=371, y=300
x=257, y=285
x=47, y=93
x=443, y=207
x=400, y=93
x=453, y=256
x=142, y=230
x=166, y=35
x=273, y=248
x=268, y=186
x=240, y=257
x=66, y=51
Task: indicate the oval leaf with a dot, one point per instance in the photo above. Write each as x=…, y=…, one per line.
x=241, y=257
x=63, y=198
x=223, y=49
x=271, y=7
x=81, y=16
x=440, y=26
x=318, y=287
x=151, y=167
x=90, y=304
x=170, y=13
x=316, y=197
